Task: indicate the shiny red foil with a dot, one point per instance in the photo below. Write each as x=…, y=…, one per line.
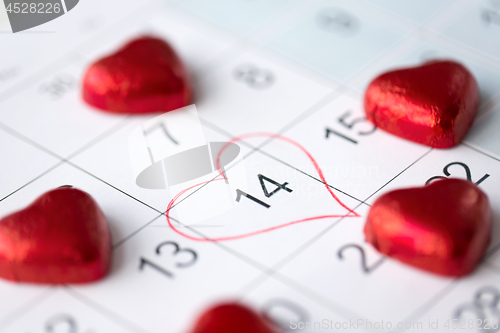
x=144, y=76
x=231, y=318
x=433, y=104
x=444, y=227
x=62, y=237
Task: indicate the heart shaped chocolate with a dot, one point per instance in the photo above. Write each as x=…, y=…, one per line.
x=144, y=76
x=433, y=104
x=62, y=237
x=444, y=227
x=231, y=318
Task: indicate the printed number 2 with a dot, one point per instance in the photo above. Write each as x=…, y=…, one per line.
x=468, y=174
x=63, y=320
x=364, y=266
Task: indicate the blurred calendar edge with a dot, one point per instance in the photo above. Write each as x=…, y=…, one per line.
x=4, y=19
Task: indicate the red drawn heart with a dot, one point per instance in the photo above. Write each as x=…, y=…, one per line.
x=231, y=318
x=433, y=104
x=444, y=227
x=349, y=212
x=144, y=76
x=62, y=237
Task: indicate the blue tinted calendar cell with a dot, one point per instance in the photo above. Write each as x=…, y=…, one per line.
x=241, y=16
x=478, y=28
x=487, y=77
x=417, y=11
x=485, y=134
x=337, y=42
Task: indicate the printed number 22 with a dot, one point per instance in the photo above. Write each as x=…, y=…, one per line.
x=468, y=174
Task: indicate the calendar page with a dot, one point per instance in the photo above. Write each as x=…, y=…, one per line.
x=282, y=83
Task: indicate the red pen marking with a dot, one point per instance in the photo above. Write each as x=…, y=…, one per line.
x=350, y=213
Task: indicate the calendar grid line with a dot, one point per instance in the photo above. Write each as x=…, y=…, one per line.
x=266, y=270
x=93, y=142
x=293, y=255
x=424, y=23
x=424, y=308
x=63, y=160
x=261, y=267
x=318, y=298
x=124, y=322
x=230, y=136
x=487, y=108
x=277, y=267
x=7, y=320
x=485, y=58
x=491, y=251
x=466, y=47
x=315, y=107
x=243, y=44
x=493, y=268
x=365, y=66
x=67, y=58
x=378, y=190
x=283, y=262
x=112, y=186
x=271, y=273
x=430, y=32
x=468, y=145
x=313, y=177
x=408, y=167
x=413, y=163
x=135, y=232
x=313, y=73
x=437, y=33
x=55, y=166
x=29, y=141
x=140, y=14
x=249, y=45
x=304, y=115
x=489, y=105
x=318, y=105
x=108, y=132
x=427, y=306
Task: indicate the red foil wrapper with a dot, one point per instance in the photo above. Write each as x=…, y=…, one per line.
x=444, y=227
x=231, y=318
x=62, y=237
x=144, y=76
x=434, y=104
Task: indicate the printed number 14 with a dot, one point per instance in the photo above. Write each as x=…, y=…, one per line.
x=268, y=194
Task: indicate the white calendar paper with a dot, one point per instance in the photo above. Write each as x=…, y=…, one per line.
x=284, y=80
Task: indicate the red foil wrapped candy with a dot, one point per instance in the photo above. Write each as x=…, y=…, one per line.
x=62, y=237
x=444, y=227
x=433, y=104
x=144, y=76
x=231, y=318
